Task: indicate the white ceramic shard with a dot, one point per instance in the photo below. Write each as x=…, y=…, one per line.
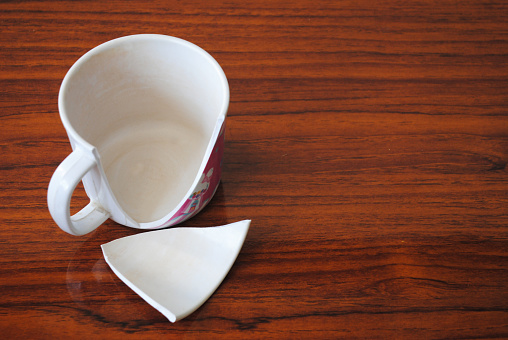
x=176, y=270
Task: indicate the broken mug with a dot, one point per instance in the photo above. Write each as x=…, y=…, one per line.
x=145, y=116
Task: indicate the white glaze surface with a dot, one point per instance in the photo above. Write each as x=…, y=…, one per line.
x=152, y=167
x=176, y=270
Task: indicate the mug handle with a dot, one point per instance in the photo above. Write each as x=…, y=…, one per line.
x=63, y=182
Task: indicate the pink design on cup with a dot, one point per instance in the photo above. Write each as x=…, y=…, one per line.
x=207, y=185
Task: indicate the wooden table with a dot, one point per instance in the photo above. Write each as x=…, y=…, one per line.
x=367, y=141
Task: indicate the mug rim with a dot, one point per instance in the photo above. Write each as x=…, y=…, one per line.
x=132, y=38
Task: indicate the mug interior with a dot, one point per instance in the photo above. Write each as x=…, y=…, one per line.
x=149, y=104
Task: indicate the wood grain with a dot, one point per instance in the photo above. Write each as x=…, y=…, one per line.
x=367, y=141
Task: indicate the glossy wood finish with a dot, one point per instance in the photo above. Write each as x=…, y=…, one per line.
x=367, y=141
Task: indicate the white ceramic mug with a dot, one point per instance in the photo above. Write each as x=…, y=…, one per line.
x=145, y=117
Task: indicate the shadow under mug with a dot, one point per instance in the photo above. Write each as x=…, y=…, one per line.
x=145, y=116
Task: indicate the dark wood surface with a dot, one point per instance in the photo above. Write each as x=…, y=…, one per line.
x=367, y=141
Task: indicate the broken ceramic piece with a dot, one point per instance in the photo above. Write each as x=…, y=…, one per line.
x=176, y=270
